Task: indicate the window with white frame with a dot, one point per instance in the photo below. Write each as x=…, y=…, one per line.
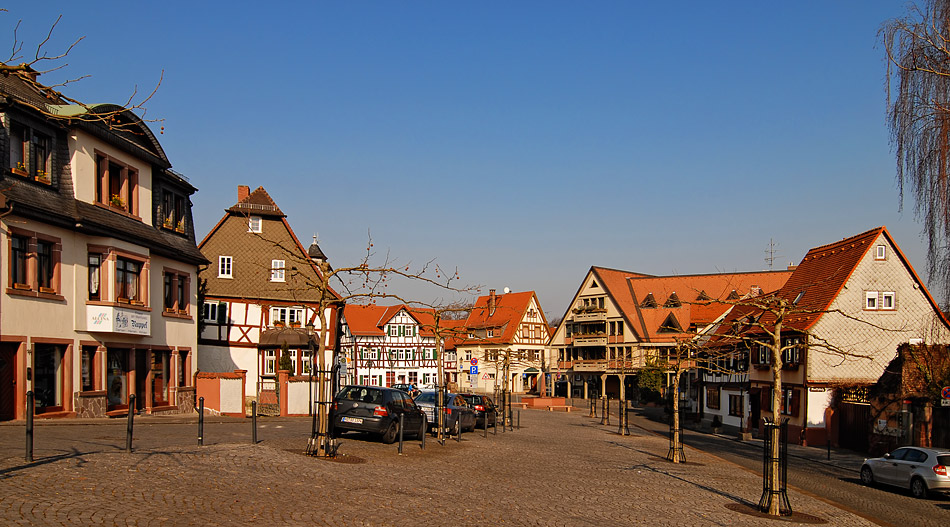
x=881, y=253
x=426, y=378
x=286, y=315
x=224, y=267
x=293, y=362
x=888, y=301
x=270, y=362
x=276, y=270
x=254, y=224
x=870, y=300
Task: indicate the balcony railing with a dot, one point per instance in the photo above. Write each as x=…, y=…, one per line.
x=589, y=339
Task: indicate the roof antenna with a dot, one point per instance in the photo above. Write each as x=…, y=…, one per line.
x=771, y=253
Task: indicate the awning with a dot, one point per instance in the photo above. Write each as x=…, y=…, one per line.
x=296, y=338
x=532, y=370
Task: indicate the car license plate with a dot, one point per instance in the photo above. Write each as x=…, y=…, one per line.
x=354, y=420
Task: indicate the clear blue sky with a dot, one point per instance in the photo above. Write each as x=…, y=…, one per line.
x=520, y=141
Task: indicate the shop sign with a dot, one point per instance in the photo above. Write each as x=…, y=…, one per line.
x=110, y=319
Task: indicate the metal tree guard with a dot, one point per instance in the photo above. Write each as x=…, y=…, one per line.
x=768, y=462
x=676, y=446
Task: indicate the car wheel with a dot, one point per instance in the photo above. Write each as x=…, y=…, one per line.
x=867, y=477
x=391, y=433
x=918, y=488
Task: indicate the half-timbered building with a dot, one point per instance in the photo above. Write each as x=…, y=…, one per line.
x=387, y=345
x=262, y=295
x=504, y=344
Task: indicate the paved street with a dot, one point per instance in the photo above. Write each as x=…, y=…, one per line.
x=558, y=469
x=810, y=469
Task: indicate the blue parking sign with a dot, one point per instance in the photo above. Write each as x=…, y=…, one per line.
x=473, y=370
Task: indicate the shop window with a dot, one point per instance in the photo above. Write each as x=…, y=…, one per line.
x=117, y=185
x=88, y=368
x=184, y=364
x=160, y=377
x=48, y=377
x=117, y=361
x=712, y=397
x=128, y=281
x=735, y=405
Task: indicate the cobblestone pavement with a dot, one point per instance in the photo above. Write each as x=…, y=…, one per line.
x=558, y=469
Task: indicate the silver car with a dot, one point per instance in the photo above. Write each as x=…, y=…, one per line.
x=457, y=411
x=921, y=470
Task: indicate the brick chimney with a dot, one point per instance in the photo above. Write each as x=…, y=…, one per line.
x=243, y=192
x=491, y=302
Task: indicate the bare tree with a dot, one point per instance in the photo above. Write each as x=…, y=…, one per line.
x=368, y=280
x=28, y=66
x=918, y=97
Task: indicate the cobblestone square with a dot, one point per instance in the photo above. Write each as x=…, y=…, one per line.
x=557, y=469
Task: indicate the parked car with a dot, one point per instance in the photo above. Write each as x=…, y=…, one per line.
x=376, y=410
x=456, y=410
x=484, y=408
x=921, y=470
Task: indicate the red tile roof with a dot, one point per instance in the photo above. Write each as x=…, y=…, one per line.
x=510, y=309
x=370, y=320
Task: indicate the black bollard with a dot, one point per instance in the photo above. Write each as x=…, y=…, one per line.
x=401, y=422
x=425, y=432
x=128, y=430
x=29, y=426
x=519, y=419
x=494, y=424
x=829, y=449
x=485, y=425
x=254, y=422
x=201, y=421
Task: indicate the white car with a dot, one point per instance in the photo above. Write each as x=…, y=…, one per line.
x=919, y=469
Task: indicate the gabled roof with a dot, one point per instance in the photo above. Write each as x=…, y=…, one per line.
x=258, y=203
x=820, y=277
x=371, y=320
x=509, y=311
x=824, y=270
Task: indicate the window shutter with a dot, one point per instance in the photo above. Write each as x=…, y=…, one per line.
x=222, y=313
x=796, y=400
x=766, y=400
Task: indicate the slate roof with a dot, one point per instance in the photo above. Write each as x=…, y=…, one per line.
x=57, y=205
x=252, y=254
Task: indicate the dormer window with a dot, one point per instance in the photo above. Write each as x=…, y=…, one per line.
x=117, y=185
x=254, y=224
x=30, y=153
x=173, y=211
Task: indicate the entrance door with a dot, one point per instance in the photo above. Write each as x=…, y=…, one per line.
x=755, y=408
x=141, y=374
x=8, y=382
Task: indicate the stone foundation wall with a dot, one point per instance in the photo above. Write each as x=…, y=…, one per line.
x=185, y=399
x=90, y=404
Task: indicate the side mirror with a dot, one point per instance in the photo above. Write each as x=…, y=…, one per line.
x=887, y=455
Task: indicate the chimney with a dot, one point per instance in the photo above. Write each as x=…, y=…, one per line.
x=491, y=302
x=243, y=192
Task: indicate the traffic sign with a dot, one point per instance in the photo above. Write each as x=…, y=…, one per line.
x=474, y=362
x=473, y=370
x=945, y=393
